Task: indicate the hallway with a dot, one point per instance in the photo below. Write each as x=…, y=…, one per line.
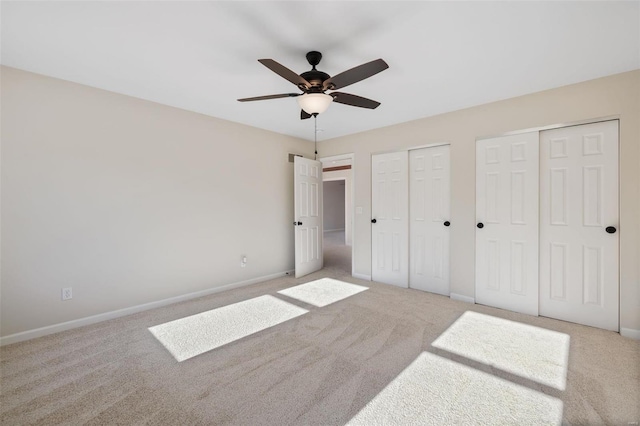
x=337, y=255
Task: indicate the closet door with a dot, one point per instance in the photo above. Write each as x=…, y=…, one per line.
x=579, y=262
x=507, y=222
x=429, y=219
x=389, y=218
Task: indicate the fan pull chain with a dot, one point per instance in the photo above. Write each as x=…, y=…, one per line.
x=315, y=135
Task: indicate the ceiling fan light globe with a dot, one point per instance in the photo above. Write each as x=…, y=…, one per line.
x=314, y=103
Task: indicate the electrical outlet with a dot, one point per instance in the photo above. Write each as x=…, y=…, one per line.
x=67, y=293
x=243, y=261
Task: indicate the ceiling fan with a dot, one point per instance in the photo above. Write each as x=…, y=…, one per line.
x=314, y=100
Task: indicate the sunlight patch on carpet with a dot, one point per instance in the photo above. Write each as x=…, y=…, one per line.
x=435, y=391
x=323, y=292
x=527, y=351
x=190, y=336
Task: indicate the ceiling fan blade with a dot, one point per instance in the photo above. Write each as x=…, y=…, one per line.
x=264, y=98
x=304, y=115
x=355, y=75
x=353, y=100
x=285, y=73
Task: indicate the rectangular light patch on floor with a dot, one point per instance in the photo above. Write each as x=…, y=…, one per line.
x=187, y=337
x=437, y=391
x=323, y=292
x=527, y=351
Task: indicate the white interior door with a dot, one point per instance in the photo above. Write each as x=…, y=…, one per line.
x=389, y=218
x=429, y=219
x=579, y=279
x=307, y=182
x=507, y=222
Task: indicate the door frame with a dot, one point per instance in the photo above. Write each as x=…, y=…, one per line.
x=411, y=148
x=552, y=126
x=348, y=156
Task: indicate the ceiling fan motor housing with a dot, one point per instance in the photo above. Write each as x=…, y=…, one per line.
x=315, y=77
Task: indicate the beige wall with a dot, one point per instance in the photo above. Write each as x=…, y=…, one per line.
x=333, y=203
x=346, y=175
x=617, y=95
x=129, y=202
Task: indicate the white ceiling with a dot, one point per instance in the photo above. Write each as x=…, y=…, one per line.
x=202, y=56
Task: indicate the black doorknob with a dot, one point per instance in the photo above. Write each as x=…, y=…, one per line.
x=480, y=225
x=611, y=229
x=299, y=223
x=447, y=223
x=373, y=221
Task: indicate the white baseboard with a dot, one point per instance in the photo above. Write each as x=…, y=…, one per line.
x=630, y=333
x=333, y=230
x=460, y=297
x=361, y=276
x=56, y=328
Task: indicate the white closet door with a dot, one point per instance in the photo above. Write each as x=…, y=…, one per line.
x=507, y=222
x=307, y=181
x=429, y=219
x=579, y=279
x=389, y=218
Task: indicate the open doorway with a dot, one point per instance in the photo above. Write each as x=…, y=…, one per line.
x=337, y=176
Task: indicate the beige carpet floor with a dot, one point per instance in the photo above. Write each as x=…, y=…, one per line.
x=369, y=358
